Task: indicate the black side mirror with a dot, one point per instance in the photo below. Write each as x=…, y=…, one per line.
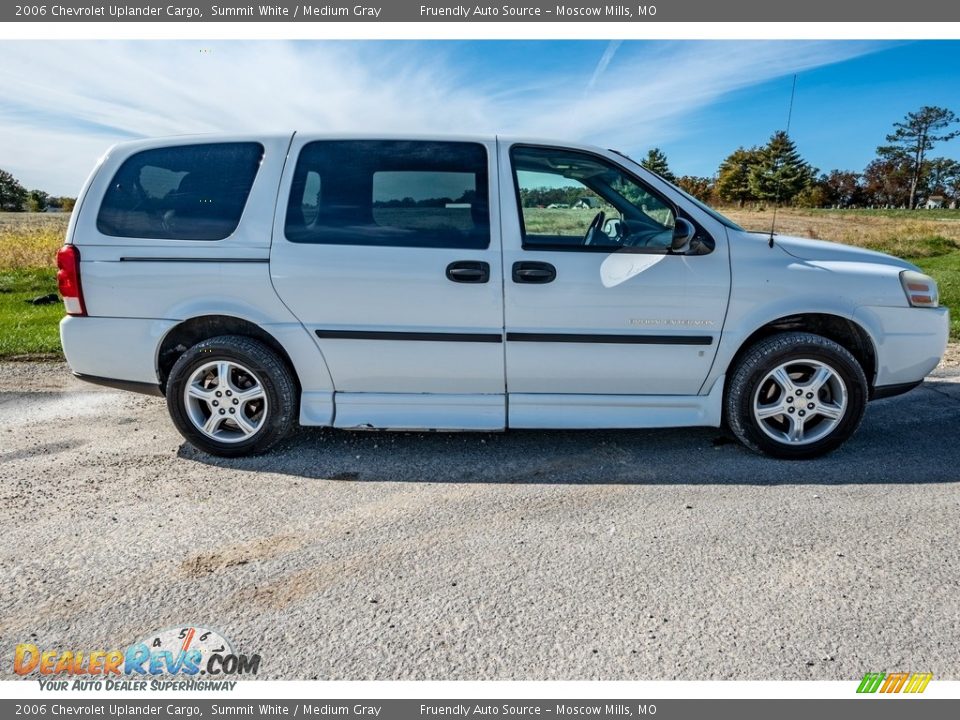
x=683, y=232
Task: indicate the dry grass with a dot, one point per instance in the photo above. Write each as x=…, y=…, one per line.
x=31, y=240
x=910, y=234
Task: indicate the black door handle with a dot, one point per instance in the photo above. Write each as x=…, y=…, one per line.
x=534, y=272
x=468, y=271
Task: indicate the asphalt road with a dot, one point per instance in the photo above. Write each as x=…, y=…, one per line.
x=668, y=554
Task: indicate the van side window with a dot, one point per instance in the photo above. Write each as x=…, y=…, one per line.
x=390, y=193
x=186, y=192
x=571, y=200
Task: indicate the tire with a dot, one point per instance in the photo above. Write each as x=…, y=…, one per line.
x=791, y=380
x=249, y=413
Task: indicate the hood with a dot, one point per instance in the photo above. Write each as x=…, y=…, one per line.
x=823, y=251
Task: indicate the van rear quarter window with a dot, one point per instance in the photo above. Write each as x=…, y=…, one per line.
x=184, y=192
x=390, y=193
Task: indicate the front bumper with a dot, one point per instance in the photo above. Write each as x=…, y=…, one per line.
x=909, y=341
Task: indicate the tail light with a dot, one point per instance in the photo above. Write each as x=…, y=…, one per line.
x=68, y=279
x=920, y=289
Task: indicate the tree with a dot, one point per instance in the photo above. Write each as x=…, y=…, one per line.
x=812, y=196
x=656, y=161
x=733, y=178
x=886, y=181
x=941, y=175
x=700, y=187
x=953, y=187
x=67, y=204
x=37, y=200
x=842, y=188
x=780, y=173
x=12, y=194
x=914, y=137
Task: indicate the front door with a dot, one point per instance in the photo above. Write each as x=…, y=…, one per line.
x=596, y=303
x=387, y=252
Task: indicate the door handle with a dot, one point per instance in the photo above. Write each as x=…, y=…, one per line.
x=468, y=271
x=534, y=272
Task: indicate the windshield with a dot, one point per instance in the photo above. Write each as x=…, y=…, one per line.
x=699, y=203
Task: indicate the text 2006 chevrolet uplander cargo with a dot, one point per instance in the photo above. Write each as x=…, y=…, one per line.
x=426, y=283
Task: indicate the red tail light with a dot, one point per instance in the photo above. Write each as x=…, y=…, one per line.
x=68, y=279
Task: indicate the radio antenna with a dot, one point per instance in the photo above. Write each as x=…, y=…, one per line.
x=773, y=224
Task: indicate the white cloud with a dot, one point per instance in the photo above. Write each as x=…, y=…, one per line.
x=604, y=62
x=63, y=103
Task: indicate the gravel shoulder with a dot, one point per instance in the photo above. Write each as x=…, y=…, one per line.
x=661, y=554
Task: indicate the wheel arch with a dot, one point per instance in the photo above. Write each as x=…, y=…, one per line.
x=189, y=332
x=842, y=330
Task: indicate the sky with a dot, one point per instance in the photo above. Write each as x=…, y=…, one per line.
x=63, y=103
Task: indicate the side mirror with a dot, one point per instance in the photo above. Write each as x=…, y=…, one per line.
x=683, y=232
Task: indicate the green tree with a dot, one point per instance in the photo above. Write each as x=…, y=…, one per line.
x=733, y=178
x=941, y=175
x=781, y=173
x=812, y=196
x=656, y=161
x=37, y=200
x=12, y=194
x=914, y=137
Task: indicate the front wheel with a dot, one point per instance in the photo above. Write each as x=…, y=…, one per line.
x=231, y=396
x=795, y=396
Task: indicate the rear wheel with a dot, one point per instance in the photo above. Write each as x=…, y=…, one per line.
x=231, y=396
x=795, y=396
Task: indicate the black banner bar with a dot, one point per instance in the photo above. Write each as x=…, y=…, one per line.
x=514, y=11
x=865, y=708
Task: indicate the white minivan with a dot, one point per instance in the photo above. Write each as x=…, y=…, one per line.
x=464, y=283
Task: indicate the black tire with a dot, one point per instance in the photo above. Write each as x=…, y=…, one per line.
x=743, y=387
x=276, y=416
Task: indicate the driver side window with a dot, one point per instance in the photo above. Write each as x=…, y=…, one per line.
x=575, y=201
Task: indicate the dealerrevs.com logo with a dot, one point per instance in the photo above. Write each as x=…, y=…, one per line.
x=185, y=652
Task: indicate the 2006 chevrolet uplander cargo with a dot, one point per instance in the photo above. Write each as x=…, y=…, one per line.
x=427, y=283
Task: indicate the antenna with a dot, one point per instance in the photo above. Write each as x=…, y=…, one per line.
x=773, y=224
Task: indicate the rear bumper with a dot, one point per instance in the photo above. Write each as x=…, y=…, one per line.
x=114, y=349
x=137, y=387
x=909, y=341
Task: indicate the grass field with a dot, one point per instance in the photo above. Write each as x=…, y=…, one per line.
x=930, y=239
x=28, y=330
x=908, y=234
x=28, y=242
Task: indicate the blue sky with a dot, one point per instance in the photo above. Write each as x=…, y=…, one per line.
x=63, y=103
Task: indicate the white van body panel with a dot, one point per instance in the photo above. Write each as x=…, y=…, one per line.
x=444, y=382
x=139, y=290
x=572, y=412
x=419, y=411
x=771, y=283
x=87, y=341
x=909, y=344
x=162, y=283
x=666, y=299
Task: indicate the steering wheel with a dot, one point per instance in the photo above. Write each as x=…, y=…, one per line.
x=596, y=226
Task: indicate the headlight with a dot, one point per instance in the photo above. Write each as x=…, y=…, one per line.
x=920, y=289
